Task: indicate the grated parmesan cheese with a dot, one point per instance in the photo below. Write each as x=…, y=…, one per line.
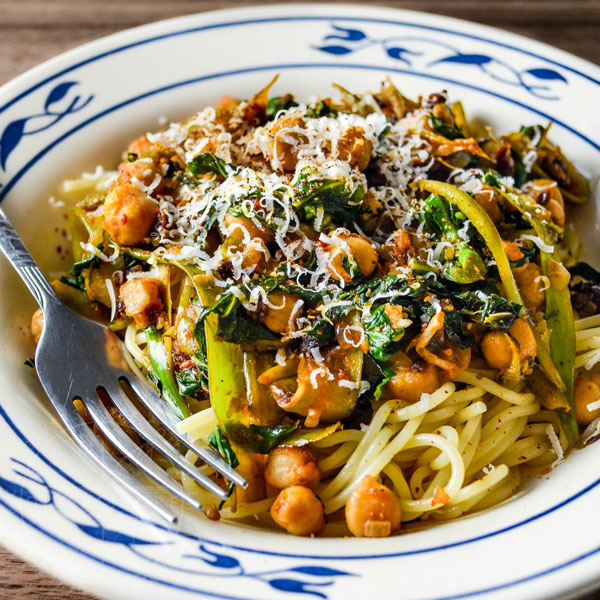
x=321, y=371
x=555, y=443
x=280, y=357
x=538, y=242
x=346, y=383
x=592, y=406
x=99, y=254
x=110, y=288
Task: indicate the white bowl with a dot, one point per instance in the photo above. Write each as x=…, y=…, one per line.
x=61, y=512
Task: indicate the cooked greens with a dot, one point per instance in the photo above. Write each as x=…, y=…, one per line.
x=299, y=277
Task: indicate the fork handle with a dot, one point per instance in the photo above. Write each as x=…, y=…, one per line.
x=14, y=249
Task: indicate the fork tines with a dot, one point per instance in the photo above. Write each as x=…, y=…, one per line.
x=132, y=451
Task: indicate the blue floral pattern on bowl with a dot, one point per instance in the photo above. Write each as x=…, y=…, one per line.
x=16, y=130
x=428, y=52
x=28, y=485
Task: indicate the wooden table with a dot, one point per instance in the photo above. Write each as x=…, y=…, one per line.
x=33, y=30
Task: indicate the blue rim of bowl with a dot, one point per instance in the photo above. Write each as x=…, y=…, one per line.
x=284, y=67
x=297, y=18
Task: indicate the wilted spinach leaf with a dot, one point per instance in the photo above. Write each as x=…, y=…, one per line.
x=445, y=221
x=259, y=438
x=267, y=438
x=341, y=206
x=235, y=325
x=491, y=310
x=448, y=131
x=321, y=109
x=381, y=335
x=279, y=103
x=189, y=380
x=322, y=331
x=219, y=442
x=207, y=162
x=75, y=278
x=387, y=372
x=454, y=328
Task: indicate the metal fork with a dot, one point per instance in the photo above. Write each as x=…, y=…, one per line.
x=77, y=357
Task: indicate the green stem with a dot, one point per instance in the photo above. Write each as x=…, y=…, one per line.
x=160, y=366
x=558, y=311
x=557, y=361
x=225, y=369
x=561, y=322
x=486, y=228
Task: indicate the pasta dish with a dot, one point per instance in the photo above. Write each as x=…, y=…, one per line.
x=370, y=306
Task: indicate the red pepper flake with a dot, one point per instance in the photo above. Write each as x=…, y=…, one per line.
x=439, y=496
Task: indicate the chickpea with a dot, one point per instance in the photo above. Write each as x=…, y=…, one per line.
x=240, y=228
x=292, y=465
x=497, y=346
x=286, y=141
x=412, y=378
x=277, y=319
x=531, y=286
x=522, y=333
x=487, y=200
x=364, y=253
x=397, y=248
x=298, y=511
x=254, y=254
x=255, y=258
x=497, y=349
x=141, y=298
x=142, y=170
x=372, y=510
x=354, y=148
x=361, y=250
x=546, y=193
x=37, y=324
x=587, y=391
x=140, y=146
x=185, y=335
x=129, y=214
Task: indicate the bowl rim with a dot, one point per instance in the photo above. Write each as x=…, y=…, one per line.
x=105, y=41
